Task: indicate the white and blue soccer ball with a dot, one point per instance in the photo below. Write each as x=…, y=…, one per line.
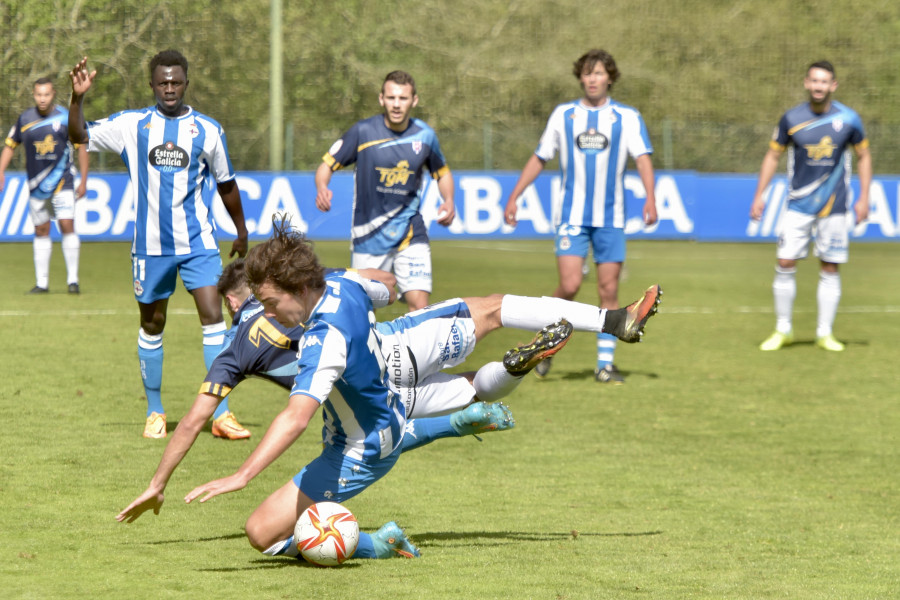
x=326, y=534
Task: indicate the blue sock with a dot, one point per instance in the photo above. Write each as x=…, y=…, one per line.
x=419, y=432
x=150, y=355
x=366, y=547
x=606, y=349
x=213, y=344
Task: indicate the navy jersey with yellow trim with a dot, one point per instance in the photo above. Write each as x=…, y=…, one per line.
x=819, y=161
x=48, y=154
x=259, y=346
x=389, y=185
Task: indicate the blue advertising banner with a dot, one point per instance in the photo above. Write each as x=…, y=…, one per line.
x=696, y=206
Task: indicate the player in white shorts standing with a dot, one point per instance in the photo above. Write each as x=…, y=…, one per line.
x=42, y=130
x=818, y=135
x=390, y=151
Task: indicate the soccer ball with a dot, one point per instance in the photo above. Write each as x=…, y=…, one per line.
x=326, y=534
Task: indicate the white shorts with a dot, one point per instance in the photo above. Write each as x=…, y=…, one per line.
x=831, y=233
x=411, y=266
x=418, y=345
x=60, y=206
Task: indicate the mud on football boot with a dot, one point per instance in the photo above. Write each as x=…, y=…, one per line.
x=637, y=313
x=480, y=418
x=390, y=541
x=548, y=341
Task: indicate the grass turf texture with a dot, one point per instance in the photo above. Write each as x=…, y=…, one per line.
x=717, y=471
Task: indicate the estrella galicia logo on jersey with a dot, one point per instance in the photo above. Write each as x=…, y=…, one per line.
x=169, y=158
x=398, y=175
x=592, y=141
x=824, y=149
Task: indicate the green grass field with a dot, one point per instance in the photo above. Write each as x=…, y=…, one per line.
x=717, y=471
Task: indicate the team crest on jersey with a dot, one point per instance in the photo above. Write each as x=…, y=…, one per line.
x=56, y=125
x=592, y=141
x=138, y=288
x=193, y=129
x=169, y=158
x=837, y=124
x=417, y=146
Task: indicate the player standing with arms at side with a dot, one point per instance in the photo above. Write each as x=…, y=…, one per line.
x=390, y=151
x=177, y=159
x=817, y=135
x=49, y=166
x=594, y=136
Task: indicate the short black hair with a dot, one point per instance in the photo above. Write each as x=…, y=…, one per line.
x=232, y=278
x=169, y=58
x=41, y=81
x=821, y=64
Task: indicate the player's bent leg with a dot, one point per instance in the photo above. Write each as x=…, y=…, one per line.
x=273, y=521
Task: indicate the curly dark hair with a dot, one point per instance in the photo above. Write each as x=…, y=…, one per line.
x=169, y=58
x=587, y=61
x=286, y=260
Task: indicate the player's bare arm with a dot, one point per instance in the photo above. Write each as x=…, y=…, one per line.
x=530, y=172
x=83, y=163
x=447, y=209
x=864, y=172
x=231, y=198
x=181, y=442
x=284, y=431
x=648, y=178
x=323, y=194
x=766, y=173
x=81, y=82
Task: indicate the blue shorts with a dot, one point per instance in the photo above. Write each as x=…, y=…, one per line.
x=155, y=276
x=335, y=477
x=607, y=243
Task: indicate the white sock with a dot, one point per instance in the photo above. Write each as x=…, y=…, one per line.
x=43, y=248
x=784, y=289
x=71, y=247
x=283, y=548
x=828, y=296
x=492, y=382
x=532, y=313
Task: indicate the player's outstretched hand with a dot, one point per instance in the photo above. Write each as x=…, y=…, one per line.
x=232, y=483
x=150, y=499
x=81, y=77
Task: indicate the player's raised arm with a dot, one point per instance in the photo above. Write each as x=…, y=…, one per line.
x=81, y=82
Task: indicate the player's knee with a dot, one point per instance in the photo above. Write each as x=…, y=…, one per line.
x=256, y=534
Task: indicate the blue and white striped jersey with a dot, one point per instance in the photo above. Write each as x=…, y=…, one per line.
x=48, y=154
x=174, y=165
x=342, y=367
x=388, y=181
x=819, y=163
x=593, y=146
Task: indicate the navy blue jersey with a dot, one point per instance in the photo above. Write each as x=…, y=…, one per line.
x=48, y=153
x=257, y=346
x=389, y=184
x=818, y=157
